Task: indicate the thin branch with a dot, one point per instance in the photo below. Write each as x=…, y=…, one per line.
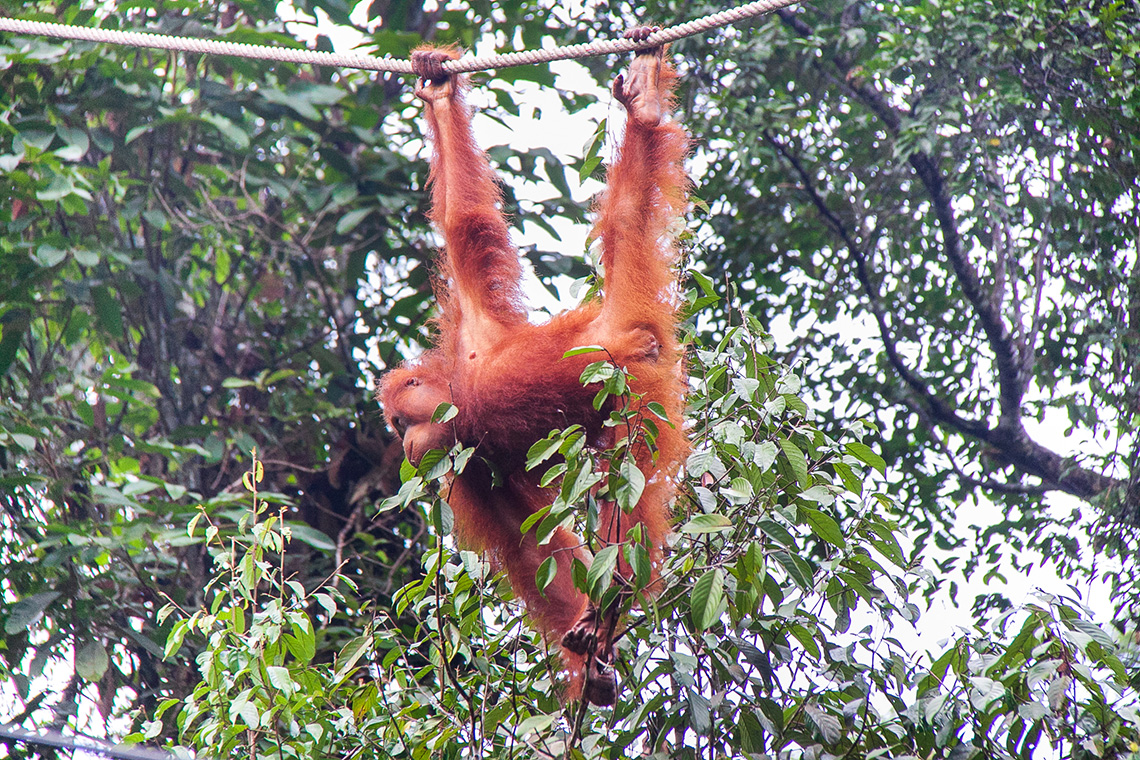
x=1009, y=436
x=938, y=408
x=1005, y=354
x=1039, y=276
x=989, y=318
x=970, y=480
x=49, y=738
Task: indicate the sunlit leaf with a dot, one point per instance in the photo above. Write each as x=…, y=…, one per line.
x=708, y=601
x=713, y=523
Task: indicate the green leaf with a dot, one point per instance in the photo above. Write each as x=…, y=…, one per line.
x=280, y=679
x=708, y=601
x=309, y=535
x=702, y=460
x=318, y=94
x=593, y=149
x=228, y=129
x=222, y=264
x=556, y=173
x=573, y=442
x=13, y=325
x=705, y=283
x=888, y=544
x=546, y=573
x=135, y=132
x=302, y=643
x=242, y=708
x=48, y=256
x=601, y=570
x=638, y=559
x=534, y=517
x=818, y=494
x=552, y=474
x=796, y=460
x=537, y=723
x=765, y=455
x=349, y=656
x=866, y=455
x=541, y=451
x=107, y=311
x=434, y=465
x=352, y=220
x=551, y=522
x=657, y=410
x=630, y=485
x=851, y=481
x=700, y=712
x=24, y=614
x=577, y=486
x=824, y=526
x=780, y=534
x=829, y=726
x=798, y=568
x=91, y=661
x=770, y=715
x=588, y=167
x=706, y=524
x=738, y=491
x=1094, y=631
x=174, y=640
x=582, y=350
x=803, y=635
x=598, y=372
x=445, y=412
x=86, y=257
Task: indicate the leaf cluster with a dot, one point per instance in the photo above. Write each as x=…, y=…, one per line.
x=782, y=626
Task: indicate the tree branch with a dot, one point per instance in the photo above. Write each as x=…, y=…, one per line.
x=989, y=317
x=1009, y=437
x=936, y=406
x=1010, y=387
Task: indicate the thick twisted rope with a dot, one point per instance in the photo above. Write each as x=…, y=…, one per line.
x=394, y=65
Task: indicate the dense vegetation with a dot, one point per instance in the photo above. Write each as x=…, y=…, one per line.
x=934, y=209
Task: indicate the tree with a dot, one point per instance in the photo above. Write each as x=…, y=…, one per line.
x=945, y=200
x=204, y=256
x=775, y=633
x=184, y=268
x=201, y=256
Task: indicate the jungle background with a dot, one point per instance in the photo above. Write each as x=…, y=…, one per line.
x=914, y=315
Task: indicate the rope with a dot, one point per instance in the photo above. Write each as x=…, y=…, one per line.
x=394, y=65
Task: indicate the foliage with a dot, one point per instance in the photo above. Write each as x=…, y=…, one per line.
x=198, y=256
x=942, y=201
x=777, y=630
x=261, y=677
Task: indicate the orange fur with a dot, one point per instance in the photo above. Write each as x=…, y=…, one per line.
x=508, y=376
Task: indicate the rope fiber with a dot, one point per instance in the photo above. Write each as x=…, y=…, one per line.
x=389, y=64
